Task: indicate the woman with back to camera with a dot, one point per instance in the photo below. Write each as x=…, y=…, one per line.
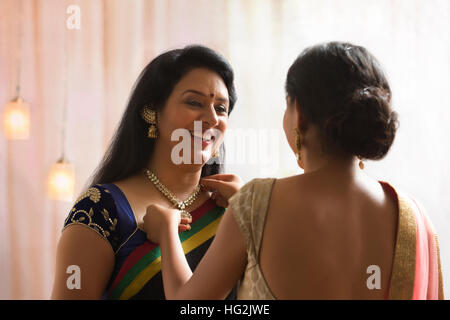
x=332, y=232
x=103, y=233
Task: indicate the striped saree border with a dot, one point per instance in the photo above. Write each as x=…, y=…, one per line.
x=188, y=245
x=140, y=251
x=145, y=253
x=145, y=261
x=147, y=246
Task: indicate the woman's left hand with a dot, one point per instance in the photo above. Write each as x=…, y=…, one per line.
x=223, y=187
x=159, y=219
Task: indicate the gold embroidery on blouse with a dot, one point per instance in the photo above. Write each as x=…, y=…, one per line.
x=88, y=215
x=85, y=217
x=93, y=194
x=107, y=218
x=96, y=231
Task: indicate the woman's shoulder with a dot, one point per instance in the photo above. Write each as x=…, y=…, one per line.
x=253, y=196
x=299, y=184
x=96, y=197
x=255, y=187
x=400, y=195
x=95, y=208
x=257, y=183
x=405, y=200
x=94, y=194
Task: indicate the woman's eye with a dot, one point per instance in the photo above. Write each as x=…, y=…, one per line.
x=221, y=109
x=194, y=103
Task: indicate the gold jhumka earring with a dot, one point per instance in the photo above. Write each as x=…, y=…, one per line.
x=149, y=116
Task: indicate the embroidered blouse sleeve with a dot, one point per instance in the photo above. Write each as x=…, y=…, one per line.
x=96, y=209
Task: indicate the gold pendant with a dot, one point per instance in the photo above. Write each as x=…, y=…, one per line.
x=185, y=214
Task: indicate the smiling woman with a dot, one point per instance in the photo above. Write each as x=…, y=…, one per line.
x=103, y=233
x=198, y=96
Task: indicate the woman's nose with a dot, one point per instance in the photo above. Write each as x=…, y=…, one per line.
x=211, y=116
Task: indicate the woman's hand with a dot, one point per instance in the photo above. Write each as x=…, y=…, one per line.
x=159, y=220
x=223, y=187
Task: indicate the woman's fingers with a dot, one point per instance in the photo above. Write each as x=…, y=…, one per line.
x=221, y=201
x=184, y=227
x=219, y=185
x=224, y=177
x=185, y=224
x=185, y=220
x=223, y=186
x=213, y=182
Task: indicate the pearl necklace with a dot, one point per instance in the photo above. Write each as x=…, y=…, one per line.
x=181, y=205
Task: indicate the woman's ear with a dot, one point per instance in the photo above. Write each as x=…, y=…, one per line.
x=298, y=117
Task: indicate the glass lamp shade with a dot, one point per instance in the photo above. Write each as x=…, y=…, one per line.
x=61, y=181
x=16, y=120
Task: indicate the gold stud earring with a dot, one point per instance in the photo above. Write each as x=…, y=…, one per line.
x=216, y=154
x=149, y=116
x=361, y=164
x=298, y=144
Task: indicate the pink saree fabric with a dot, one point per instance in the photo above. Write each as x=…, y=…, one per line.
x=416, y=272
x=426, y=282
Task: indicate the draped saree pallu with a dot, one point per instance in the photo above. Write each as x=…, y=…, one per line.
x=416, y=272
x=137, y=270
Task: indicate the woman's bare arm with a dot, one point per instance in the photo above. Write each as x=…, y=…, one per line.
x=218, y=271
x=86, y=249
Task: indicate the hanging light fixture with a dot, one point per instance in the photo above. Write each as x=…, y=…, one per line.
x=61, y=179
x=16, y=119
x=16, y=115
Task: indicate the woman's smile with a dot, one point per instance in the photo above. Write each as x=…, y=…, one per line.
x=205, y=139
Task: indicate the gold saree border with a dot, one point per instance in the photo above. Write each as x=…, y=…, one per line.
x=441, y=280
x=404, y=266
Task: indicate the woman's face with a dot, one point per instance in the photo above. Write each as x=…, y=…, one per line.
x=201, y=95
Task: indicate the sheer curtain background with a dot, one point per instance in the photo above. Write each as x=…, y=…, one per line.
x=260, y=38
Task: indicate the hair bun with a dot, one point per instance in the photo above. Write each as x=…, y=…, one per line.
x=366, y=126
x=343, y=91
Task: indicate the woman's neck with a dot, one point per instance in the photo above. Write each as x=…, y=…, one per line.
x=347, y=166
x=181, y=180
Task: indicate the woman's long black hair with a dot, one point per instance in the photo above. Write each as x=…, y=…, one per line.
x=131, y=149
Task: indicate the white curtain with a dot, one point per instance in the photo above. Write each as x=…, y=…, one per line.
x=260, y=38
